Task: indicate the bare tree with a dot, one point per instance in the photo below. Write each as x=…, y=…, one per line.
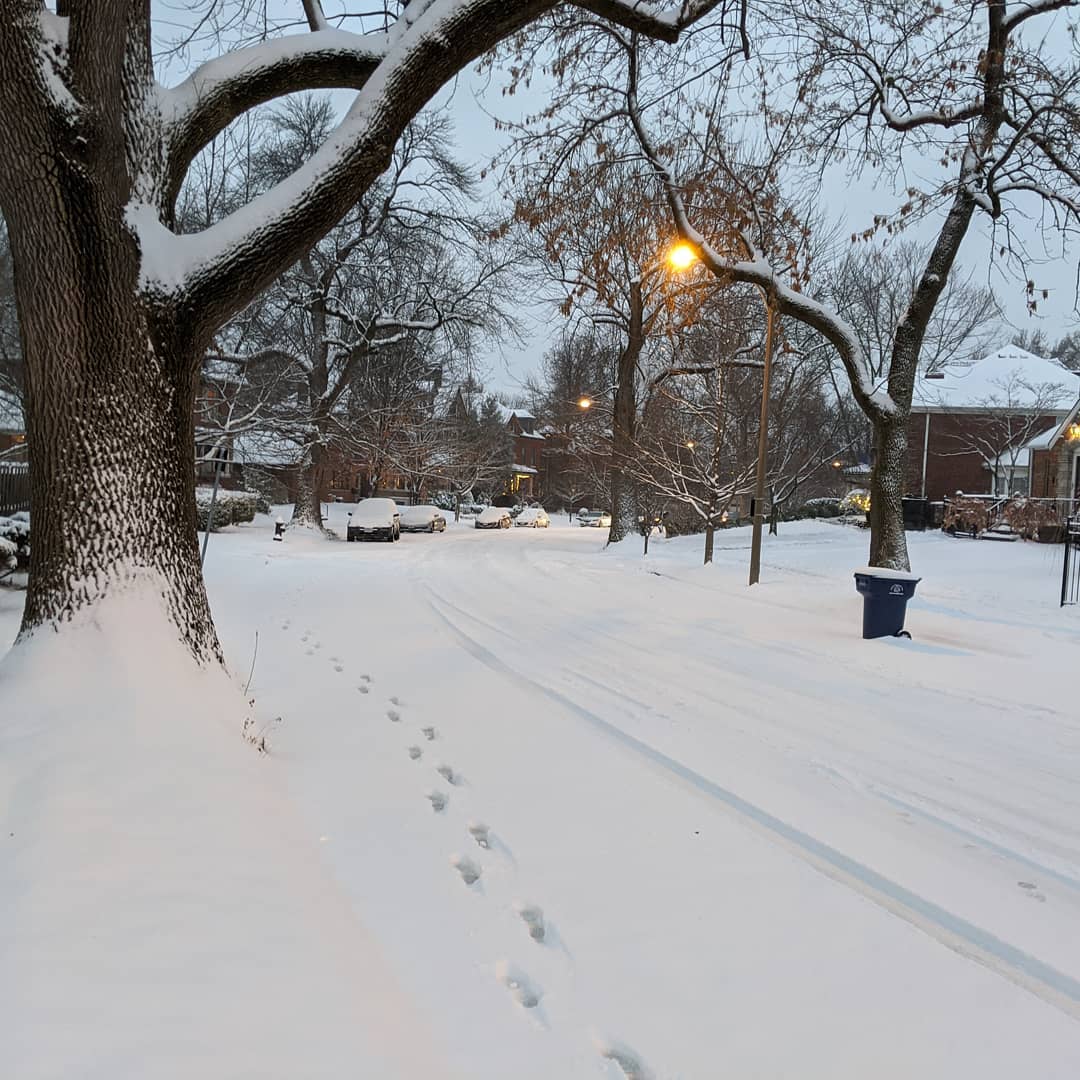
x=881, y=86
x=118, y=310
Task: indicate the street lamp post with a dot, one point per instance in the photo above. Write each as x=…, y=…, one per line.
x=763, y=446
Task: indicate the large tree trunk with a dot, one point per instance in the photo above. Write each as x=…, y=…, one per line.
x=307, y=510
x=888, y=542
x=710, y=539
x=109, y=421
x=624, y=420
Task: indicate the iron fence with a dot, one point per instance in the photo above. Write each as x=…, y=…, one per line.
x=14, y=486
x=1070, y=569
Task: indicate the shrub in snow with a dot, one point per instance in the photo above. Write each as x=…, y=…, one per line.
x=15, y=542
x=269, y=489
x=855, y=502
x=1028, y=516
x=965, y=515
x=230, y=508
x=820, y=508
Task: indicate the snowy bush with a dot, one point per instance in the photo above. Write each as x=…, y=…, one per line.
x=855, y=502
x=15, y=542
x=965, y=515
x=1028, y=516
x=231, y=507
x=819, y=508
x=270, y=491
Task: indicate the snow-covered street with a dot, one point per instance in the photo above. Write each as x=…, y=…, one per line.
x=606, y=817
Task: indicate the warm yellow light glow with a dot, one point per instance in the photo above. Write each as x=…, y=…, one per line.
x=1073, y=433
x=690, y=445
x=682, y=256
x=837, y=463
x=585, y=403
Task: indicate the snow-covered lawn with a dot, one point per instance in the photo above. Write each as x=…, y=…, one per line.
x=541, y=811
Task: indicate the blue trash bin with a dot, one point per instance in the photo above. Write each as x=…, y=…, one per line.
x=885, y=595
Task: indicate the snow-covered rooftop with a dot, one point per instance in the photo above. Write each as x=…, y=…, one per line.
x=1010, y=378
x=508, y=412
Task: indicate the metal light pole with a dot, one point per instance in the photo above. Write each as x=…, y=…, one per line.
x=763, y=446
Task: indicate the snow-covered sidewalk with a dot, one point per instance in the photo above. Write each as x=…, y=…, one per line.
x=573, y=814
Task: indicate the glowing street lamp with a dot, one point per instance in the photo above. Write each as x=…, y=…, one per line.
x=584, y=403
x=681, y=256
x=690, y=444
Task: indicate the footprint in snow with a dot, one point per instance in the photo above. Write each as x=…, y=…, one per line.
x=363, y=689
x=480, y=833
x=469, y=869
x=366, y=678
x=449, y=775
x=1031, y=889
x=339, y=667
x=415, y=753
x=524, y=991
x=310, y=652
x=395, y=701
x=428, y=733
x=631, y=1065
x=532, y=915
x=438, y=800
x=393, y=716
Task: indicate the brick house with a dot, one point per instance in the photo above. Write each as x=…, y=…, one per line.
x=1053, y=460
x=528, y=446
x=975, y=428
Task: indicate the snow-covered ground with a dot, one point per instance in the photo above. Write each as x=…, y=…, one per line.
x=538, y=810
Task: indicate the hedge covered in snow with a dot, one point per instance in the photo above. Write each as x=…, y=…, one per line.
x=15, y=542
x=230, y=508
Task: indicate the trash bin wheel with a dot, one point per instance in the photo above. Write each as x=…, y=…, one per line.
x=902, y=633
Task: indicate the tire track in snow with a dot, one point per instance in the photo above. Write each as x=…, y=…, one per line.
x=960, y=936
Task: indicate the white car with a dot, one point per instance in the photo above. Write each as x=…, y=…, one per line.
x=533, y=517
x=493, y=517
x=595, y=519
x=427, y=519
x=373, y=519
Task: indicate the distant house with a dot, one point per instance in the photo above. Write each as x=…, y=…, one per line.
x=978, y=428
x=528, y=444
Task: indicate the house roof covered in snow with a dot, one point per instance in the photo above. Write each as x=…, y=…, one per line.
x=508, y=413
x=1010, y=378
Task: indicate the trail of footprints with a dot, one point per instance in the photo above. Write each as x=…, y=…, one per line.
x=518, y=983
x=521, y=987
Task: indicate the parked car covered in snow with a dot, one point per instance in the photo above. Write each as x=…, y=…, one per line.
x=493, y=517
x=596, y=519
x=533, y=517
x=374, y=519
x=427, y=519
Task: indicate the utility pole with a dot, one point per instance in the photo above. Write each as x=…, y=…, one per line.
x=763, y=445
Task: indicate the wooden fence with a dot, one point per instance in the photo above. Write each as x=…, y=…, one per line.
x=14, y=487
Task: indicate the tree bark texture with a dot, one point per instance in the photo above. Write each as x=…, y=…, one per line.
x=888, y=541
x=710, y=538
x=110, y=386
x=624, y=423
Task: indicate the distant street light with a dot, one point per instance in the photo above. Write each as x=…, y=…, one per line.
x=584, y=403
x=690, y=445
x=837, y=464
